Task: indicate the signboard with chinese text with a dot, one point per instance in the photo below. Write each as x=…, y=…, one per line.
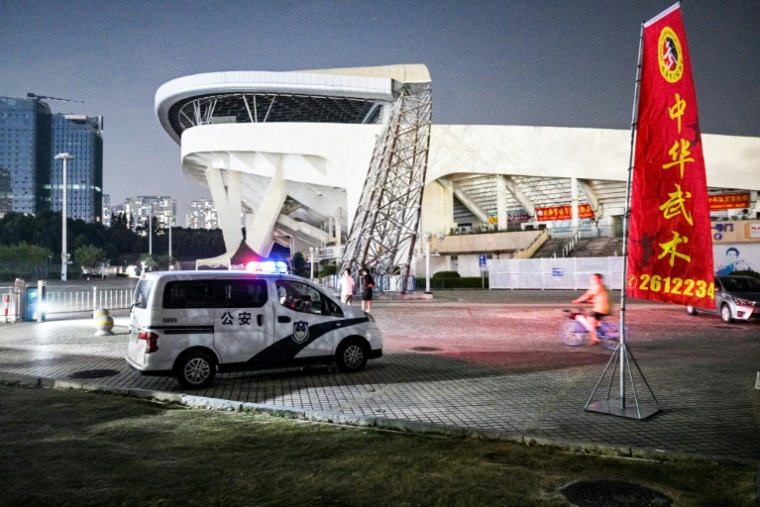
x=563, y=213
x=728, y=201
x=736, y=231
x=670, y=243
x=517, y=217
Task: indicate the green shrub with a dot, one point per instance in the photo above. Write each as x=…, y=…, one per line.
x=445, y=274
x=328, y=270
x=467, y=282
x=746, y=272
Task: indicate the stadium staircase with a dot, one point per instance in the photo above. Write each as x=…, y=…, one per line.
x=590, y=247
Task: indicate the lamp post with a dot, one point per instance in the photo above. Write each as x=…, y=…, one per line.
x=311, y=261
x=171, y=266
x=64, y=254
x=427, y=262
x=150, y=233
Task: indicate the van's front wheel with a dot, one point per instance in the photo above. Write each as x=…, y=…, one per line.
x=352, y=356
x=196, y=370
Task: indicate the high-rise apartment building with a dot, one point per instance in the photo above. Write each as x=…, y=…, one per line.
x=6, y=192
x=79, y=136
x=30, y=137
x=25, y=152
x=107, y=210
x=202, y=215
x=163, y=207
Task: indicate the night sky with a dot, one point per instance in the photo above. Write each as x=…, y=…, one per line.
x=531, y=62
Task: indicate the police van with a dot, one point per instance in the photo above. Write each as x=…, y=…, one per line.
x=192, y=324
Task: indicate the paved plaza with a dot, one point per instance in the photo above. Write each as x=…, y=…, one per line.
x=486, y=360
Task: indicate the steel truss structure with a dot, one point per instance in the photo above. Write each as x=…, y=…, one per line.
x=384, y=229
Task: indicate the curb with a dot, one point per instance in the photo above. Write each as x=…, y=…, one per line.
x=381, y=423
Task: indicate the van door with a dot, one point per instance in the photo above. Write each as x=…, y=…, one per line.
x=304, y=322
x=243, y=318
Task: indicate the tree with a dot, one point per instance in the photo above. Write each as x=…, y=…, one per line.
x=89, y=256
x=298, y=264
x=148, y=261
x=23, y=260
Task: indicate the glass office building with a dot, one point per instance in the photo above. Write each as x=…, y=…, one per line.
x=79, y=136
x=25, y=152
x=30, y=137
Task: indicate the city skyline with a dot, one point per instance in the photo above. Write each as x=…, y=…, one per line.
x=526, y=63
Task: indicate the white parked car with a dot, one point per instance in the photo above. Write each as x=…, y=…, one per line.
x=192, y=324
x=736, y=298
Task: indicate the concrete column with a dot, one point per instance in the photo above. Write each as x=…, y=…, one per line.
x=228, y=205
x=574, y=194
x=338, y=232
x=501, y=202
x=260, y=235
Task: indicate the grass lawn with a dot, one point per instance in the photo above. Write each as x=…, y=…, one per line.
x=72, y=448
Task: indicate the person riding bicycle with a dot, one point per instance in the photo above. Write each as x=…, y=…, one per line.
x=597, y=295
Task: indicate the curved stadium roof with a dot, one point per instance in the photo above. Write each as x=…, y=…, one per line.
x=250, y=97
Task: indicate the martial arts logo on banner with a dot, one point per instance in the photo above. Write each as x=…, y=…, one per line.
x=671, y=63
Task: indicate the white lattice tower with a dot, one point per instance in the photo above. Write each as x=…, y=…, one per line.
x=384, y=230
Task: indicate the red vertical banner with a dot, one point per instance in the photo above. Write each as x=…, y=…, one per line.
x=669, y=243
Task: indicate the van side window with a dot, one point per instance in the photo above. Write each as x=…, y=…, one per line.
x=241, y=293
x=189, y=294
x=299, y=297
x=142, y=291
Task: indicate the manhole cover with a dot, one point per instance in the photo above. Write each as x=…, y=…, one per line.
x=612, y=494
x=426, y=349
x=94, y=373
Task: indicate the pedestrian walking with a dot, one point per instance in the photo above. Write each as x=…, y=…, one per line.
x=346, y=288
x=368, y=283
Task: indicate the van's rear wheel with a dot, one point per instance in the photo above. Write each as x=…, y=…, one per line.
x=352, y=355
x=196, y=370
x=691, y=310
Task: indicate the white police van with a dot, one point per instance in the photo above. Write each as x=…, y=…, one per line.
x=191, y=324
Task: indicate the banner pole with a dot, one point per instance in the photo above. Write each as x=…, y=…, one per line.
x=626, y=221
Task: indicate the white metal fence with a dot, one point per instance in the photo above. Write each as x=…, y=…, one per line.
x=389, y=283
x=87, y=298
x=554, y=273
x=65, y=299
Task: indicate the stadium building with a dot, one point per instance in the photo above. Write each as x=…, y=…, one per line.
x=347, y=161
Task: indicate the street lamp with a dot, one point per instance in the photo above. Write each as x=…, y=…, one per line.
x=64, y=255
x=150, y=233
x=311, y=261
x=427, y=262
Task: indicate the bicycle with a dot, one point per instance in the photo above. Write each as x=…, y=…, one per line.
x=573, y=333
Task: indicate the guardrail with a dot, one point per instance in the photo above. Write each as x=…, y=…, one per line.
x=87, y=298
x=383, y=283
x=61, y=299
x=11, y=304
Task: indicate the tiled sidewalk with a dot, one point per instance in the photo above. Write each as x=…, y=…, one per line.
x=484, y=360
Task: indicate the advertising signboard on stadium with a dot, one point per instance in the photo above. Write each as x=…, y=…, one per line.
x=563, y=213
x=728, y=201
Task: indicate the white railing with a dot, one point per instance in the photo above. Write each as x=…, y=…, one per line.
x=554, y=273
x=87, y=298
x=383, y=283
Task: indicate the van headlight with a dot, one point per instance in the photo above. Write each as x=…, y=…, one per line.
x=744, y=302
x=370, y=317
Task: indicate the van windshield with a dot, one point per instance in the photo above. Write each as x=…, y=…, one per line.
x=142, y=291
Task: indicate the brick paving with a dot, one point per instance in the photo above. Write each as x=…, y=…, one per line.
x=489, y=360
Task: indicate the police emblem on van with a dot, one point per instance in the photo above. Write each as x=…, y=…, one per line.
x=300, y=331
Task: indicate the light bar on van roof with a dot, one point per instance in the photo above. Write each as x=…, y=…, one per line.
x=267, y=267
